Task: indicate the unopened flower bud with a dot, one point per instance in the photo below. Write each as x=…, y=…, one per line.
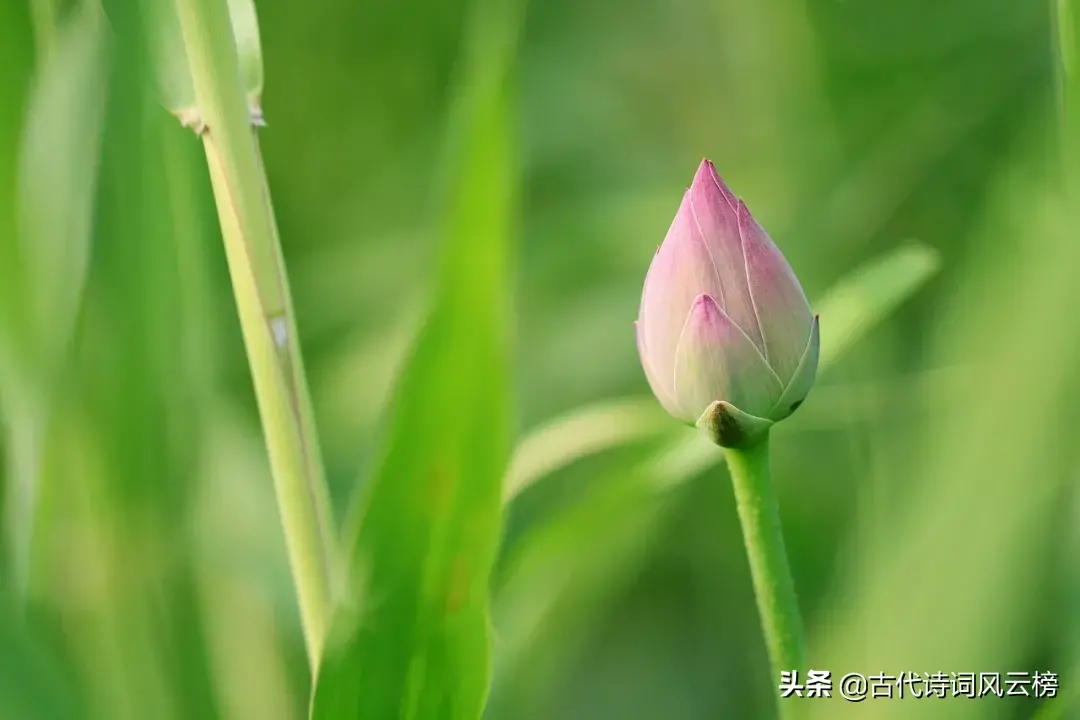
x=725, y=333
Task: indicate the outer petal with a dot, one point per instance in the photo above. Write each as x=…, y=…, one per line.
x=803, y=379
x=778, y=298
x=662, y=390
x=680, y=271
x=716, y=361
x=715, y=212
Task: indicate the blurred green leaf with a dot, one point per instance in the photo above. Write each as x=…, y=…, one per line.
x=985, y=474
x=170, y=58
x=16, y=72
x=582, y=432
x=57, y=183
x=559, y=576
x=32, y=687
x=113, y=552
x=58, y=173
x=243, y=576
x=869, y=294
x=412, y=641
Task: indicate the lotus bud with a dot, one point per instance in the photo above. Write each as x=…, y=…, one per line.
x=727, y=339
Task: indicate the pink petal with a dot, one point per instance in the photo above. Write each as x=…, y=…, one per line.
x=781, y=306
x=662, y=391
x=717, y=361
x=803, y=379
x=715, y=213
x=680, y=270
x=706, y=170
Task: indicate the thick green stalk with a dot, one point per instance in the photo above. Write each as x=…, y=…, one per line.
x=265, y=309
x=777, y=604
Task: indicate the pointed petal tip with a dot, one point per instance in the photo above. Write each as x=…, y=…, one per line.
x=708, y=168
x=708, y=181
x=705, y=304
x=707, y=171
x=706, y=314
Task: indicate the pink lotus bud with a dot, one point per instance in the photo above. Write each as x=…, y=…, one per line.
x=725, y=333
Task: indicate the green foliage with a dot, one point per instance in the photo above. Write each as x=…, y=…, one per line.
x=412, y=638
x=927, y=486
x=32, y=686
x=57, y=188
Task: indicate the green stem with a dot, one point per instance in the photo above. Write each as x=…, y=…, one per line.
x=777, y=604
x=265, y=308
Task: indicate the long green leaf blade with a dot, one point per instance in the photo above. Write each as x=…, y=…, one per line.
x=50, y=252
x=869, y=294
x=413, y=643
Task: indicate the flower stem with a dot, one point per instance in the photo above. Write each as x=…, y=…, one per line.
x=759, y=515
x=264, y=305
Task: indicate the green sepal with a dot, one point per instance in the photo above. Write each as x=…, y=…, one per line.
x=730, y=427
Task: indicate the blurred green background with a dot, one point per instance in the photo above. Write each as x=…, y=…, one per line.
x=927, y=486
